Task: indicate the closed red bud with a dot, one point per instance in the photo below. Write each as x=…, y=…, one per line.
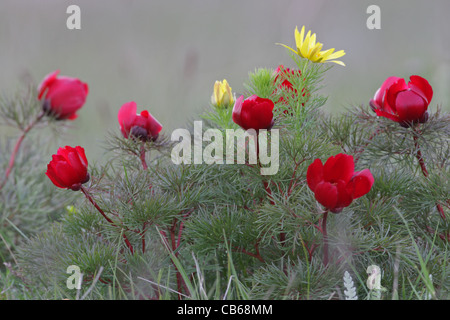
x=253, y=113
x=68, y=168
x=62, y=96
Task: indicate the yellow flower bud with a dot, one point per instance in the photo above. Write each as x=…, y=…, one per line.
x=222, y=96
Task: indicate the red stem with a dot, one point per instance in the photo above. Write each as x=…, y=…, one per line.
x=419, y=156
x=269, y=191
x=142, y=234
x=361, y=150
x=291, y=183
x=444, y=237
x=425, y=171
x=325, y=238
x=173, y=241
x=142, y=157
x=256, y=255
x=89, y=197
x=12, y=159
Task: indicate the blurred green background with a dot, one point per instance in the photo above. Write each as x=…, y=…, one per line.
x=166, y=54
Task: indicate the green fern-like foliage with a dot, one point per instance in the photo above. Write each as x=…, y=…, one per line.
x=215, y=231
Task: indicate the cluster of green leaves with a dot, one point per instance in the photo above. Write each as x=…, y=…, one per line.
x=224, y=231
x=27, y=202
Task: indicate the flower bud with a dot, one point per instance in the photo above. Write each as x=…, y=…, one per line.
x=253, y=113
x=222, y=96
x=63, y=96
x=68, y=168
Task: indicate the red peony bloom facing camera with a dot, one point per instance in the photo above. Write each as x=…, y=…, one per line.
x=336, y=184
x=403, y=102
x=142, y=126
x=253, y=113
x=68, y=168
x=63, y=96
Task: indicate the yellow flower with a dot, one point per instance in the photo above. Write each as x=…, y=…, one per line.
x=309, y=49
x=222, y=96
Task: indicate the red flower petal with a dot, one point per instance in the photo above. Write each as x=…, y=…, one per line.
x=422, y=86
x=54, y=176
x=73, y=116
x=77, y=165
x=126, y=117
x=63, y=95
x=237, y=110
x=410, y=106
x=66, y=174
x=339, y=167
x=68, y=168
x=46, y=82
x=82, y=155
x=344, y=198
x=391, y=94
x=390, y=116
x=380, y=95
x=264, y=113
x=326, y=194
x=314, y=174
x=253, y=113
x=153, y=126
x=281, y=72
x=361, y=183
x=66, y=97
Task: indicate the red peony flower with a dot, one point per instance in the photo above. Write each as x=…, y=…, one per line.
x=401, y=102
x=63, y=96
x=143, y=126
x=283, y=74
x=336, y=184
x=68, y=168
x=253, y=113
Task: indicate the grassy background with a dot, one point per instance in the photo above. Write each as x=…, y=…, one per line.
x=166, y=54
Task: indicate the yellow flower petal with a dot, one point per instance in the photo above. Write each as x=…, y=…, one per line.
x=299, y=37
x=308, y=48
x=305, y=47
x=315, y=52
x=338, y=62
x=337, y=54
x=312, y=42
x=295, y=51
